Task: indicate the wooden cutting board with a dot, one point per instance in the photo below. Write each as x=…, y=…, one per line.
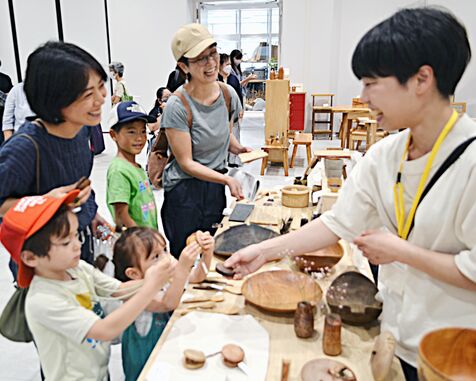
x=266, y=215
x=252, y=156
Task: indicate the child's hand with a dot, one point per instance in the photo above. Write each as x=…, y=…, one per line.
x=207, y=243
x=160, y=272
x=188, y=256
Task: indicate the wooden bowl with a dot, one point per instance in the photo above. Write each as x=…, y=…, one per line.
x=352, y=296
x=280, y=291
x=240, y=236
x=295, y=196
x=448, y=354
x=317, y=260
x=324, y=370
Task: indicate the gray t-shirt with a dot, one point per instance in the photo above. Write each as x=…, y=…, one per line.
x=210, y=132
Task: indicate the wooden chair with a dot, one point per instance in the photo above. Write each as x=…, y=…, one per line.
x=301, y=139
x=460, y=107
x=367, y=131
x=324, y=106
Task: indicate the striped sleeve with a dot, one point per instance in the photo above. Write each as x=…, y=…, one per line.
x=17, y=168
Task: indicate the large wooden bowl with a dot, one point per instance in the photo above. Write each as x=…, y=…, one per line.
x=240, y=236
x=280, y=291
x=324, y=370
x=448, y=354
x=317, y=260
x=352, y=296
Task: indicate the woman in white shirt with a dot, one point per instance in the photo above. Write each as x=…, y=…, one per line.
x=409, y=64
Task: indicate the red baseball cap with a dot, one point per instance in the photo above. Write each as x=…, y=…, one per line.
x=23, y=220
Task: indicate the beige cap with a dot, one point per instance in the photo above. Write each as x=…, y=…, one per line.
x=190, y=40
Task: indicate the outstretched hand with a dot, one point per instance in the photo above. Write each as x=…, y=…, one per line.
x=245, y=261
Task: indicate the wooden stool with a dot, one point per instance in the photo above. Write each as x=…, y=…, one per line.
x=302, y=139
x=276, y=154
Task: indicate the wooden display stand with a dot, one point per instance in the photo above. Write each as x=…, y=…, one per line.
x=276, y=123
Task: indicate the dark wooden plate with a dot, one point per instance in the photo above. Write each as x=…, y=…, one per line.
x=238, y=237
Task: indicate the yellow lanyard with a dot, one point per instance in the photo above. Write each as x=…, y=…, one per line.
x=402, y=225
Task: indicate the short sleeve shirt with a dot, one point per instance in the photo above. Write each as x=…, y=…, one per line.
x=210, y=132
x=130, y=185
x=60, y=314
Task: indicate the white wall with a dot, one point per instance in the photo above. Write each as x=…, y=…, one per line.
x=7, y=55
x=140, y=35
x=319, y=37
x=141, y=32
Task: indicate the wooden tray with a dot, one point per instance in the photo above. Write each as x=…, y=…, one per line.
x=323, y=370
x=240, y=236
x=448, y=354
x=280, y=291
x=317, y=260
x=251, y=156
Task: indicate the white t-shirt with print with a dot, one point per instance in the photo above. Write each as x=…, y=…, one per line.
x=60, y=313
x=119, y=88
x=445, y=221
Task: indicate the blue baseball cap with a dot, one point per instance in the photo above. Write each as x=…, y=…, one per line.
x=127, y=112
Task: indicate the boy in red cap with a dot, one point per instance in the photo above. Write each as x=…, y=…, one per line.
x=62, y=309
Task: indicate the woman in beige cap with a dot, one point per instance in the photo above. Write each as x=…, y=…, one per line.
x=198, y=122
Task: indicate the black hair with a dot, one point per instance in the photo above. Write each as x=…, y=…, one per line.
x=126, y=246
x=411, y=38
x=223, y=58
x=58, y=226
x=56, y=75
x=238, y=55
x=158, y=96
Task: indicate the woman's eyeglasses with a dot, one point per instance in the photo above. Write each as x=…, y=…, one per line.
x=202, y=61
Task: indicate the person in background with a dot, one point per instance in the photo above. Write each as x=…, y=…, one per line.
x=194, y=181
x=65, y=88
x=116, y=72
x=16, y=111
x=162, y=96
x=409, y=65
x=225, y=74
x=176, y=79
x=5, y=87
x=129, y=193
x=62, y=306
x=135, y=252
x=235, y=59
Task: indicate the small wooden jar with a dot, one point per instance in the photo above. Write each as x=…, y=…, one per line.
x=331, y=343
x=304, y=320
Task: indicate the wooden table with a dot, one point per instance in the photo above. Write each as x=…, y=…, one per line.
x=349, y=113
x=357, y=342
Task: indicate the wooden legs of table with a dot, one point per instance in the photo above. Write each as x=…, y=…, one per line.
x=276, y=154
x=285, y=162
x=308, y=153
x=264, y=164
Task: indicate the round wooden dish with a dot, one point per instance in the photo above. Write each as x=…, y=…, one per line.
x=448, y=354
x=326, y=370
x=317, y=260
x=295, y=196
x=280, y=291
